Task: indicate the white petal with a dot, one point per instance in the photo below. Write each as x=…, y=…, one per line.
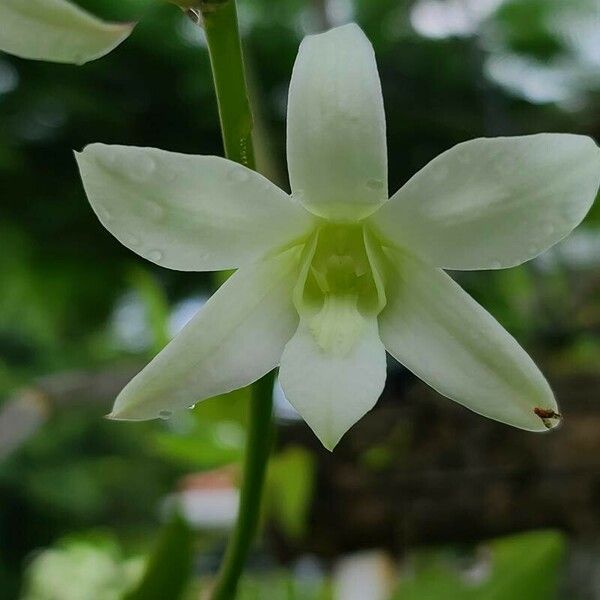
x=333, y=391
x=336, y=144
x=236, y=338
x=57, y=31
x=441, y=334
x=494, y=203
x=191, y=213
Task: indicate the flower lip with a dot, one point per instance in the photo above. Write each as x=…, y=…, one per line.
x=339, y=286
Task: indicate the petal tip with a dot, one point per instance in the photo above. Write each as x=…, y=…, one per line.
x=126, y=411
x=549, y=417
x=121, y=30
x=124, y=415
x=329, y=444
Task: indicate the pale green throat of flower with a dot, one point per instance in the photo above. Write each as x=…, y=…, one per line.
x=334, y=275
x=339, y=285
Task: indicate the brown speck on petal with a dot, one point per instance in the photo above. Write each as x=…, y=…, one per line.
x=546, y=415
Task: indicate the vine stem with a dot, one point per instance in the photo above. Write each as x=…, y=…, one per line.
x=219, y=19
x=260, y=435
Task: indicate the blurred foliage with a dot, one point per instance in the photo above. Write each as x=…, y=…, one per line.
x=284, y=586
x=289, y=489
x=210, y=436
x=85, y=566
x=169, y=568
x=523, y=66
x=93, y=567
x=521, y=566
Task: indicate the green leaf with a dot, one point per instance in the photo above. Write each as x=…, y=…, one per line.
x=170, y=566
x=525, y=565
x=85, y=565
x=155, y=302
x=290, y=485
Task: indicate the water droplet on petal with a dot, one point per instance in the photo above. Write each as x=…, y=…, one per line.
x=238, y=175
x=155, y=210
x=374, y=184
x=131, y=240
x=165, y=414
x=169, y=175
x=571, y=213
x=505, y=166
x=105, y=214
x=142, y=168
x=108, y=161
x=155, y=255
x=439, y=173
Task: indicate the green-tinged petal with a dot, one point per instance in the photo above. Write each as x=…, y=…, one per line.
x=494, y=203
x=333, y=389
x=336, y=144
x=191, y=213
x=236, y=338
x=57, y=31
x=442, y=335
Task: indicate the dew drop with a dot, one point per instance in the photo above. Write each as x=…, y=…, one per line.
x=131, y=239
x=169, y=175
x=105, y=214
x=238, y=175
x=143, y=168
x=440, y=173
x=504, y=167
x=571, y=213
x=165, y=414
x=374, y=184
x=155, y=210
x=108, y=161
x=155, y=255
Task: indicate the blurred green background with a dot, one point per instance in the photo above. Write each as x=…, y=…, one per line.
x=421, y=500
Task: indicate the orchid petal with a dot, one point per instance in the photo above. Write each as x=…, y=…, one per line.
x=443, y=336
x=336, y=144
x=236, y=338
x=56, y=31
x=494, y=203
x=333, y=390
x=191, y=213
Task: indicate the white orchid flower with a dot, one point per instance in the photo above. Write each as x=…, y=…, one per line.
x=56, y=31
x=334, y=275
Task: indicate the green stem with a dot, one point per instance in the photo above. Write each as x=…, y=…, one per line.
x=223, y=38
x=222, y=35
x=260, y=435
